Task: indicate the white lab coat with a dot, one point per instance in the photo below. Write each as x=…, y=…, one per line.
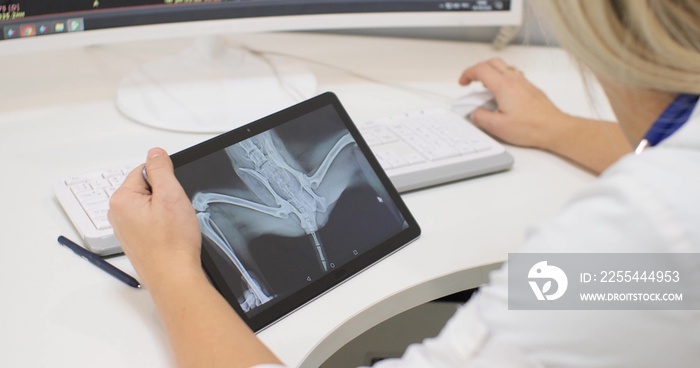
x=646, y=203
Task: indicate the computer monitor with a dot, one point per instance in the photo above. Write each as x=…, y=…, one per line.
x=211, y=87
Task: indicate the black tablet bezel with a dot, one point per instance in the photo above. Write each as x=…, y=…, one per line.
x=315, y=289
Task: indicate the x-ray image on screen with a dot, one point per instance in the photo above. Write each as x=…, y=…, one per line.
x=284, y=207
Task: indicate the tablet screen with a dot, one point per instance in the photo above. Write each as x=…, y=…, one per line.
x=290, y=206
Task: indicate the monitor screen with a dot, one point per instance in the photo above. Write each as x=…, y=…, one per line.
x=32, y=18
x=157, y=95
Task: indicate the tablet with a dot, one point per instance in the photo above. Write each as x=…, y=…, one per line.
x=289, y=207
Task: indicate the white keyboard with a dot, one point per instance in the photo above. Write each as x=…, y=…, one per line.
x=85, y=198
x=416, y=150
x=431, y=147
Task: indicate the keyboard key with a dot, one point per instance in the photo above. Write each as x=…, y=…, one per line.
x=98, y=212
x=112, y=173
x=81, y=187
x=440, y=153
x=94, y=201
x=99, y=184
x=87, y=195
x=414, y=158
x=116, y=181
x=75, y=180
x=392, y=158
x=466, y=148
x=385, y=135
x=101, y=223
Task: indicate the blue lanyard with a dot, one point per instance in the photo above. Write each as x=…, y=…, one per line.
x=675, y=115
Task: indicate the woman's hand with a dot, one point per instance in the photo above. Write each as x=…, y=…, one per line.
x=157, y=228
x=525, y=116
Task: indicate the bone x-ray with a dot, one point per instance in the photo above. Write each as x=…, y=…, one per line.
x=283, y=208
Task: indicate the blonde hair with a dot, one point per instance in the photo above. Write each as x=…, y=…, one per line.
x=652, y=44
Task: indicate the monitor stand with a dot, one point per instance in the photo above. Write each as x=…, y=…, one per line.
x=211, y=88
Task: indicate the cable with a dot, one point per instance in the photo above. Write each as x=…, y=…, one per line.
x=504, y=36
x=264, y=54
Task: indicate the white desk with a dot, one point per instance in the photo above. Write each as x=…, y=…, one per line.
x=57, y=118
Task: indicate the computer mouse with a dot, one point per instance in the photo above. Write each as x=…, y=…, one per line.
x=464, y=105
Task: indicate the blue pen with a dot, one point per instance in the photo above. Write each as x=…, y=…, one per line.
x=99, y=262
